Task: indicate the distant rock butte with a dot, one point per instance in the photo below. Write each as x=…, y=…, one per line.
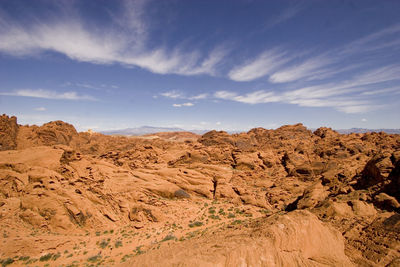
x=284, y=197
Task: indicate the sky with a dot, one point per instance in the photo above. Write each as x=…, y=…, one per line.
x=201, y=64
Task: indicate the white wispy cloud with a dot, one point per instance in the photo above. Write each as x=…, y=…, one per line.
x=332, y=62
x=342, y=104
x=40, y=109
x=48, y=94
x=379, y=75
x=349, y=96
x=390, y=90
x=198, y=97
x=264, y=64
x=174, y=94
x=285, y=15
x=256, y=97
x=359, y=83
x=124, y=42
x=188, y=104
x=209, y=64
x=86, y=85
x=384, y=38
x=312, y=68
x=358, y=108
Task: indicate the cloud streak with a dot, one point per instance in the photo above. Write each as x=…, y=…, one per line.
x=264, y=64
x=375, y=41
x=286, y=14
x=188, y=104
x=262, y=97
x=48, y=94
x=124, y=42
x=310, y=69
x=340, y=96
x=179, y=95
x=288, y=66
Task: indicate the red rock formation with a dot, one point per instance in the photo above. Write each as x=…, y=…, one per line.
x=229, y=199
x=8, y=132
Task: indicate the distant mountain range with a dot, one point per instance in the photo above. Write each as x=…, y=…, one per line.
x=151, y=129
x=362, y=130
x=142, y=130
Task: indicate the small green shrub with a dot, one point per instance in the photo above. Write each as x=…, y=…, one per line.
x=195, y=224
x=265, y=211
x=239, y=211
x=139, y=250
x=56, y=256
x=6, y=262
x=126, y=257
x=118, y=243
x=103, y=244
x=24, y=258
x=94, y=258
x=215, y=217
x=168, y=237
x=46, y=257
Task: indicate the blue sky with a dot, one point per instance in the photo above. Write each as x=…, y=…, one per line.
x=230, y=65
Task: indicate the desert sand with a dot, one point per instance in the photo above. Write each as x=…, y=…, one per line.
x=284, y=197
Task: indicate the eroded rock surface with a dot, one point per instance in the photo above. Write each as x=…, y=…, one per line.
x=281, y=197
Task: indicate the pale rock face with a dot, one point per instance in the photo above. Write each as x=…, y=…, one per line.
x=312, y=196
x=294, y=239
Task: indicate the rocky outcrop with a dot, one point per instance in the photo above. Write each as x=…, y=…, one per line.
x=324, y=132
x=56, y=132
x=393, y=187
x=52, y=133
x=215, y=138
x=8, y=132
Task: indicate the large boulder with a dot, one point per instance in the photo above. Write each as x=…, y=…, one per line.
x=376, y=171
x=214, y=138
x=52, y=133
x=312, y=196
x=325, y=132
x=56, y=132
x=393, y=188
